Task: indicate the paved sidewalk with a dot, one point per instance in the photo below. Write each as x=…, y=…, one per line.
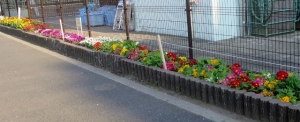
x=39, y=85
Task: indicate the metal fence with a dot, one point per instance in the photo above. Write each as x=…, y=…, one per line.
x=259, y=34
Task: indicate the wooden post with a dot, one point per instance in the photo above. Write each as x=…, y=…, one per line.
x=8, y=8
x=126, y=19
x=42, y=7
x=61, y=16
x=88, y=17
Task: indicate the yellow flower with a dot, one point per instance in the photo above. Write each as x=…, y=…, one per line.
x=267, y=93
x=186, y=66
x=195, y=73
x=285, y=99
x=202, y=73
x=290, y=74
x=182, y=58
x=266, y=83
x=180, y=70
x=145, y=58
x=271, y=86
x=122, y=44
x=114, y=46
x=214, y=61
x=123, y=51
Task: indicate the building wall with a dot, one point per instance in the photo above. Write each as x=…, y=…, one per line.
x=212, y=19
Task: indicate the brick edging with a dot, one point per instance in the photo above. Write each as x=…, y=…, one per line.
x=239, y=101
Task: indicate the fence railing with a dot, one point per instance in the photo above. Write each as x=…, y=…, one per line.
x=259, y=34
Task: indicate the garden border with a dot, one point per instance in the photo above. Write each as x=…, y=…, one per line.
x=249, y=104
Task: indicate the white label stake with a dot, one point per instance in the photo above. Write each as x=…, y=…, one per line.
x=19, y=13
x=161, y=52
x=61, y=29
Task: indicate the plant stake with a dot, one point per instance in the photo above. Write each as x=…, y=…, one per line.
x=161, y=52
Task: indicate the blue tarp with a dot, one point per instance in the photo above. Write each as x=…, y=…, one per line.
x=108, y=11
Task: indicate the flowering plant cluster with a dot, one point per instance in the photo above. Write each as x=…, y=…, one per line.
x=282, y=85
x=37, y=26
x=54, y=33
x=15, y=22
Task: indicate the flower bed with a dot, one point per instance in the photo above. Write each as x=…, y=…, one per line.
x=223, y=85
x=37, y=26
x=283, y=85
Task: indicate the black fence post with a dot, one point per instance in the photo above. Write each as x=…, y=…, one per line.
x=17, y=6
x=189, y=26
x=61, y=16
x=88, y=17
x=28, y=8
x=8, y=8
x=2, y=12
x=42, y=7
x=126, y=19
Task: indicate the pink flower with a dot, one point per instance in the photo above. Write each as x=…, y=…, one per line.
x=210, y=68
x=133, y=55
x=260, y=81
x=229, y=78
x=170, y=66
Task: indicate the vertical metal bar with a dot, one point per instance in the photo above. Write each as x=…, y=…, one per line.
x=2, y=12
x=88, y=17
x=28, y=9
x=126, y=19
x=8, y=8
x=189, y=26
x=61, y=15
x=42, y=7
x=17, y=6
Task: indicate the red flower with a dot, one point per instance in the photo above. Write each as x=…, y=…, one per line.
x=142, y=47
x=172, y=56
x=245, y=79
x=234, y=83
x=235, y=65
x=192, y=62
x=255, y=85
x=281, y=75
x=97, y=46
x=182, y=63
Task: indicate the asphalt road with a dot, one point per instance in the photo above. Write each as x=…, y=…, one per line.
x=39, y=85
